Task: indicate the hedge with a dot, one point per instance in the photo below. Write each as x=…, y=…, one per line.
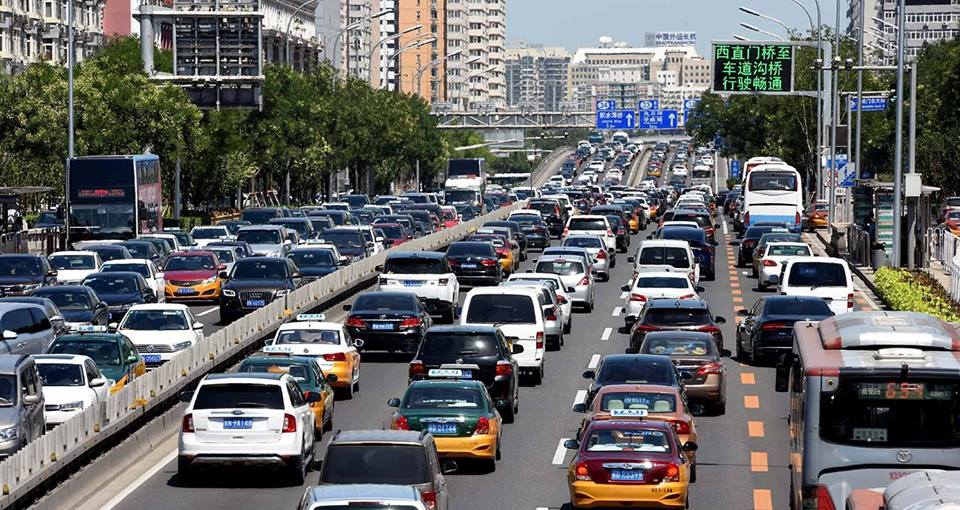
x=915, y=292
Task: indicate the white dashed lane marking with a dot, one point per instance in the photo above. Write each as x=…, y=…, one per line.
x=616, y=311
x=606, y=334
x=594, y=361
x=560, y=453
x=580, y=398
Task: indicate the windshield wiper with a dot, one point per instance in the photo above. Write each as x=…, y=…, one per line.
x=251, y=404
x=5, y=403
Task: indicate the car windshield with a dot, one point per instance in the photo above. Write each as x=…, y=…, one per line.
x=429, y=396
x=587, y=224
x=817, y=274
x=112, y=252
x=676, y=317
x=103, y=353
x=60, y=374
x=376, y=302
x=190, y=263
x=260, y=269
x=702, y=220
x=19, y=266
x=278, y=366
x=139, y=268
x=308, y=336
x=225, y=256
x=392, y=231
x=631, y=372
x=501, y=309
x=451, y=345
x=398, y=265
x=527, y=219
x=627, y=440
x=673, y=256
x=313, y=258
x=476, y=249
x=813, y=307
x=584, y=242
x=140, y=250
x=344, y=239
x=772, y=181
x=787, y=250
x=258, y=216
x=661, y=282
x=109, y=284
x=679, y=346
x=209, y=233
x=653, y=402
x=155, y=320
x=239, y=396
x=260, y=236
x=400, y=464
x=560, y=267
x=68, y=262
x=67, y=300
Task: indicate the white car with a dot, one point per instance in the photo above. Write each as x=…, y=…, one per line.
x=209, y=234
x=824, y=277
x=71, y=383
x=73, y=266
x=329, y=342
x=680, y=223
x=575, y=274
x=161, y=331
x=679, y=170
x=154, y=277
x=557, y=180
x=359, y=496
x=596, y=225
x=603, y=259
x=564, y=293
x=707, y=159
x=775, y=255
x=518, y=314
x=667, y=255
x=251, y=419
x=648, y=286
x=553, y=319
x=428, y=275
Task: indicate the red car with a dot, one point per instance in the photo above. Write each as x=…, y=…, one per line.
x=394, y=232
x=449, y=218
x=193, y=276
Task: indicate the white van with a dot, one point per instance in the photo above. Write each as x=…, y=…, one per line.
x=667, y=255
x=825, y=277
x=519, y=314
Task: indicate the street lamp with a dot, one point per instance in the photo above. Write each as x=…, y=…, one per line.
x=757, y=29
x=819, y=33
x=286, y=35
x=741, y=38
x=419, y=74
x=351, y=26
x=412, y=45
x=447, y=70
x=764, y=16
x=388, y=39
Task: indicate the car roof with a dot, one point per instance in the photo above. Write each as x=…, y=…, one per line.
x=115, y=262
x=645, y=424
x=659, y=243
x=498, y=291
x=463, y=330
x=73, y=359
x=112, y=274
x=191, y=253
x=449, y=383
x=73, y=252
x=160, y=306
x=617, y=388
x=426, y=255
x=9, y=362
x=242, y=377
x=260, y=227
x=688, y=304
x=379, y=436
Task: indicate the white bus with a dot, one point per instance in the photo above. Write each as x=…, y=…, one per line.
x=773, y=192
x=757, y=161
x=873, y=397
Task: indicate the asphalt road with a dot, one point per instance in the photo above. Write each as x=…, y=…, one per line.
x=742, y=457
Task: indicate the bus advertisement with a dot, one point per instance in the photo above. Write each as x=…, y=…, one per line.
x=113, y=197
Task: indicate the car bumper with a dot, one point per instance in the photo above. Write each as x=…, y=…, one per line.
x=478, y=278
x=272, y=454
x=581, y=295
x=584, y=494
x=477, y=446
x=374, y=340
x=769, y=274
x=343, y=371
x=710, y=389
x=53, y=418
x=194, y=293
x=8, y=448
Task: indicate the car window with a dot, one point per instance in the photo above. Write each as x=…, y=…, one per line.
x=260, y=236
x=678, y=346
x=400, y=265
x=664, y=255
x=190, y=263
x=313, y=258
x=28, y=378
x=260, y=269
x=635, y=373
x=109, y=284
x=587, y=224
x=375, y=302
x=501, y=309
x=799, y=307
x=788, y=250
x=102, y=353
x=308, y=336
x=652, y=401
x=296, y=396
x=584, y=242
x=20, y=266
x=817, y=274
x=91, y=368
x=239, y=396
x=155, y=320
x=560, y=267
x=375, y=463
x=442, y=397
x=40, y=321
x=60, y=374
x=676, y=317
x=632, y=440
x=451, y=345
x=67, y=262
x=18, y=320
x=661, y=282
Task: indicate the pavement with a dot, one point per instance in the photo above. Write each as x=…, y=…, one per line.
x=742, y=460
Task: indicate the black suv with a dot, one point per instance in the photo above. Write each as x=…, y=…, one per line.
x=20, y=275
x=676, y=315
x=474, y=263
x=483, y=346
x=255, y=282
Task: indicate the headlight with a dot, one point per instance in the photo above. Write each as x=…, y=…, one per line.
x=31, y=286
x=281, y=292
x=182, y=345
x=72, y=406
x=9, y=434
x=229, y=293
x=211, y=279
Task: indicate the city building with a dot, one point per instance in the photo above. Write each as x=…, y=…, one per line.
x=413, y=67
x=352, y=51
x=536, y=77
x=476, y=78
x=34, y=31
x=289, y=33
x=927, y=21
x=119, y=20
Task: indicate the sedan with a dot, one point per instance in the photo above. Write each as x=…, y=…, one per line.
x=699, y=363
x=390, y=321
x=631, y=369
x=676, y=315
x=648, y=286
x=254, y=282
x=120, y=290
x=79, y=305
x=575, y=274
x=767, y=327
x=474, y=263
x=161, y=331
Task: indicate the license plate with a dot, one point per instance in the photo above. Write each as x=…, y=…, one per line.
x=442, y=428
x=468, y=266
x=237, y=423
x=626, y=475
x=185, y=291
x=255, y=303
x=381, y=326
x=151, y=358
x=413, y=283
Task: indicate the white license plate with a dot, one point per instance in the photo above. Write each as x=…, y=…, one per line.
x=469, y=266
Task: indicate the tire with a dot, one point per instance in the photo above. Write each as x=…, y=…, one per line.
x=298, y=471
x=613, y=260
x=568, y=326
x=761, y=286
x=721, y=408
x=589, y=307
x=348, y=392
x=498, y=456
x=537, y=377
x=328, y=426
x=693, y=474
x=508, y=415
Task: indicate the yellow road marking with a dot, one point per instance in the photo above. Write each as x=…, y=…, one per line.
x=755, y=428
x=735, y=285
x=748, y=378
x=751, y=402
x=736, y=292
x=758, y=462
x=762, y=499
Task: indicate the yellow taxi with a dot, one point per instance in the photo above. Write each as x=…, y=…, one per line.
x=192, y=276
x=508, y=260
x=306, y=371
x=329, y=342
x=816, y=215
x=114, y=354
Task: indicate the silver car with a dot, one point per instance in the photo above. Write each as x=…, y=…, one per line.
x=21, y=396
x=603, y=260
x=563, y=296
x=267, y=240
x=553, y=319
x=575, y=273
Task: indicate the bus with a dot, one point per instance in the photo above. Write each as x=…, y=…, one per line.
x=621, y=137
x=113, y=197
x=595, y=137
x=757, y=161
x=773, y=193
x=873, y=397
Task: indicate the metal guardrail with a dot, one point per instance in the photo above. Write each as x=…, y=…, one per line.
x=44, y=458
x=859, y=250
x=37, y=240
x=943, y=248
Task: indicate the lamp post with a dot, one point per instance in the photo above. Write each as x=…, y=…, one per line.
x=419, y=74
x=286, y=35
x=741, y=38
x=764, y=16
x=475, y=73
x=71, y=61
x=447, y=70
x=412, y=45
x=820, y=122
x=750, y=27
x=351, y=26
x=388, y=39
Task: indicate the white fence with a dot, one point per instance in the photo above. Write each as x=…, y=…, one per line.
x=944, y=249
x=40, y=460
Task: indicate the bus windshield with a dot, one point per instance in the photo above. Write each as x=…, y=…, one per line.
x=772, y=181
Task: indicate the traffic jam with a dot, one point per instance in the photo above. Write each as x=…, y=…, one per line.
x=477, y=326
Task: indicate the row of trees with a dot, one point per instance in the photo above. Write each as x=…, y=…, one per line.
x=785, y=126
x=311, y=126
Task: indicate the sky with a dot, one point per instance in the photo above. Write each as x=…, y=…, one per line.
x=575, y=23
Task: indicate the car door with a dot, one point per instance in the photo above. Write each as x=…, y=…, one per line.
x=20, y=322
x=749, y=324
x=33, y=414
x=42, y=330
x=304, y=413
x=353, y=355
x=326, y=392
x=129, y=352
x=99, y=392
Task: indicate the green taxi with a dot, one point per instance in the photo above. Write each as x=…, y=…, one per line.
x=309, y=376
x=115, y=355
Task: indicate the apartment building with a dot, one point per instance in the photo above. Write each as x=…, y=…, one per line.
x=476, y=76
x=536, y=77
x=36, y=30
x=927, y=21
x=419, y=61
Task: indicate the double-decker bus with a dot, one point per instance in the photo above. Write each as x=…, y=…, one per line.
x=113, y=197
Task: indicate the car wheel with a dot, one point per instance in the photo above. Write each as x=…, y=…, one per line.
x=613, y=260
x=508, y=414
x=328, y=426
x=498, y=456
x=348, y=392
x=693, y=473
x=721, y=408
x=568, y=326
x=298, y=471
x=448, y=316
x=739, y=349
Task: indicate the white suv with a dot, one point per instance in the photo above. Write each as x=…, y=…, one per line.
x=253, y=419
x=518, y=313
x=592, y=225
x=428, y=275
x=667, y=255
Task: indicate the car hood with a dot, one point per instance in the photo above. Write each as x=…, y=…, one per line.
x=166, y=337
x=9, y=416
x=65, y=394
x=256, y=284
x=201, y=274
x=121, y=299
x=264, y=249
x=20, y=280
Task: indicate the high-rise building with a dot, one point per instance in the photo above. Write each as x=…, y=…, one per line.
x=927, y=21
x=33, y=31
x=536, y=77
x=418, y=67
x=352, y=51
x=478, y=29
x=289, y=33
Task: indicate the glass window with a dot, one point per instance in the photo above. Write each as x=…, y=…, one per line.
x=670, y=256
x=679, y=346
x=19, y=321
x=799, y=307
x=676, y=317
x=587, y=224
x=817, y=274
x=772, y=181
x=385, y=302
x=375, y=463
x=452, y=345
x=308, y=336
x=260, y=269
x=190, y=263
x=102, y=353
x=313, y=258
x=141, y=269
x=661, y=282
x=584, y=242
x=560, y=267
x=653, y=402
x=474, y=249
x=260, y=236
x=501, y=309
x=636, y=373
x=344, y=239
x=239, y=395
x=20, y=266
x=60, y=374
x=67, y=262
x=787, y=250
x=442, y=397
x=225, y=256
x=155, y=320
x=633, y=440
x=399, y=265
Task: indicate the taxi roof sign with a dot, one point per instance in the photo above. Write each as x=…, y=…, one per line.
x=87, y=328
x=628, y=413
x=316, y=317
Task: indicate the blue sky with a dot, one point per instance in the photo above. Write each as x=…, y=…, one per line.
x=576, y=23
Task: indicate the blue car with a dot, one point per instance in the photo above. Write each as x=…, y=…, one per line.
x=702, y=247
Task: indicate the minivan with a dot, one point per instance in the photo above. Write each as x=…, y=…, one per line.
x=25, y=329
x=21, y=418
x=825, y=277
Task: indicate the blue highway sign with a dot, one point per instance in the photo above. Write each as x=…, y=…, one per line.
x=659, y=119
x=616, y=119
x=870, y=104
x=735, y=168
x=649, y=105
x=690, y=104
x=606, y=105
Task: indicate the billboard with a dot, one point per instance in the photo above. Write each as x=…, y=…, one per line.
x=752, y=68
x=675, y=39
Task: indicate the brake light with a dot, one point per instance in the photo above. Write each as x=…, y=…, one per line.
x=335, y=356
x=849, y=301
x=429, y=499
x=582, y=471
x=502, y=251
x=483, y=426
x=713, y=367
x=583, y=281
x=709, y=329
x=488, y=262
x=551, y=314
x=356, y=322
x=411, y=322
x=609, y=232
x=644, y=328
x=796, y=218
x=681, y=427
x=769, y=263
x=504, y=368
x=562, y=300
x=746, y=218
x=453, y=262
x=416, y=368
x=400, y=423
x=539, y=339
x=602, y=255
x=672, y=473
x=289, y=423
x=817, y=497
x=638, y=297
x=187, y=424
x=687, y=296
x=770, y=326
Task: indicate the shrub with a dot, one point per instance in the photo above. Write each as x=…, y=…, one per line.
x=915, y=292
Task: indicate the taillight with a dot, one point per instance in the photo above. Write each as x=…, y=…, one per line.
x=712, y=367
x=672, y=473
x=681, y=427
x=769, y=263
x=400, y=423
x=565, y=231
x=429, y=499
x=289, y=423
x=688, y=296
x=551, y=314
x=583, y=281
x=503, y=251
x=416, y=368
x=746, y=218
x=483, y=426
x=645, y=328
x=796, y=219
x=504, y=368
x=602, y=255
x=582, y=471
x=335, y=356
x=411, y=322
x=609, y=232
x=539, y=339
x=453, y=262
x=488, y=262
x=638, y=297
x=817, y=497
x=356, y=322
x=709, y=329
x=187, y=424
x=770, y=326
x=849, y=301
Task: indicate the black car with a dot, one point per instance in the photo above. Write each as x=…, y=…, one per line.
x=553, y=214
x=77, y=304
x=120, y=290
x=467, y=212
x=483, y=346
x=474, y=263
x=320, y=223
x=406, y=220
x=535, y=230
x=162, y=246
x=425, y=218
x=349, y=242
x=631, y=369
x=109, y=252
x=302, y=226
x=21, y=275
x=355, y=201
x=315, y=262
x=364, y=216
x=676, y=315
x=518, y=234
x=766, y=330
x=703, y=248
x=233, y=226
x=749, y=242
x=48, y=219
x=255, y=282
x=142, y=249
x=339, y=218
x=260, y=215
x=387, y=321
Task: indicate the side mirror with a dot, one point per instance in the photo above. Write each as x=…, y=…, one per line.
x=197, y=325
x=31, y=400
x=56, y=318
x=631, y=259
x=346, y=308
x=312, y=397
x=224, y=275
x=580, y=408
x=689, y=446
x=742, y=313
x=185, y=396
x=719, y=320
x=331, y=378
x=99, y=306
x=571, y=444
x=134, y=358
x=517, y=349
x=449, y=466
x=589, y=374
x=626, y=288
x=394, y=402
x=221, y=267
x=98, y=382
x=113, y=326
x=716, y=225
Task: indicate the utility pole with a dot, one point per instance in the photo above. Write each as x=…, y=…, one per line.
x=898, y=143
x=859, y=92
x=911, y=168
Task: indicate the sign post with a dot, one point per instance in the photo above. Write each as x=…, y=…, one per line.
x=734, y=168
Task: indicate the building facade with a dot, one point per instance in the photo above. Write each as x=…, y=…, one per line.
x=927, y=21
x=289, y=33
x=536, y=77
x=417, y=67
x=36, y=30
x=476, y=78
